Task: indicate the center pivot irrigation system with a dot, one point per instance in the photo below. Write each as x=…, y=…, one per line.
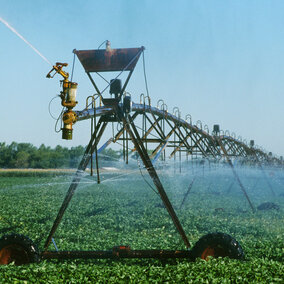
x=168, y=132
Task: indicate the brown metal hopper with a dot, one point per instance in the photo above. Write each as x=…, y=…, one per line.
x=101, y=60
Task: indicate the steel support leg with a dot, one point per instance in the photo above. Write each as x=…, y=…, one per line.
x=135, y=137
x=76, y=179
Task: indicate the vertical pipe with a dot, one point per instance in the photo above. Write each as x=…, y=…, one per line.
x=123, y=145
x=126, y=147
x=146, y=144
x=180, y=160
x=96, y=146
x=92, y=126
x=143, y=129
x=164, y=152
x=174, y=152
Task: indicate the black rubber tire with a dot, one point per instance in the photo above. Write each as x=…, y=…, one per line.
x=217, y=245
x=18, y=249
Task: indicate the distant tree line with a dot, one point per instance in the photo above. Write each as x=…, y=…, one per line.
x=26, y=155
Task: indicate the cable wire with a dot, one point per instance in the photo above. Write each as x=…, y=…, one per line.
x=55, y=118
x=73, y=67
x=60, y=116
x=102, y=77
x=144, y=71
x=102, y=43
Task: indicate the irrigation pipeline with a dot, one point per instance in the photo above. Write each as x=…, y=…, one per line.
x=191, y=138
x=182, y=136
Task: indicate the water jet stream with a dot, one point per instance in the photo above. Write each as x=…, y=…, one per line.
x=21, y=37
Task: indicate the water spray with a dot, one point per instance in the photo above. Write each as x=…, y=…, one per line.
x=22, y=38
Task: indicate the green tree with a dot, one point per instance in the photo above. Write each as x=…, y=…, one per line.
x=25, y=155
x=22, y=160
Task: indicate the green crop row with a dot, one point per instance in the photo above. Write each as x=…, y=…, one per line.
x=123, y=210
x=34, y=173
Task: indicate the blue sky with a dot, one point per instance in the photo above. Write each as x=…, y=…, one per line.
x=220, y=61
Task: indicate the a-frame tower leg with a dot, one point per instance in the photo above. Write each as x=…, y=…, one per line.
x=76, y=179
x=135, y=137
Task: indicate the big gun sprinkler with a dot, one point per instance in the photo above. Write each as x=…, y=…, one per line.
x=68, y=99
